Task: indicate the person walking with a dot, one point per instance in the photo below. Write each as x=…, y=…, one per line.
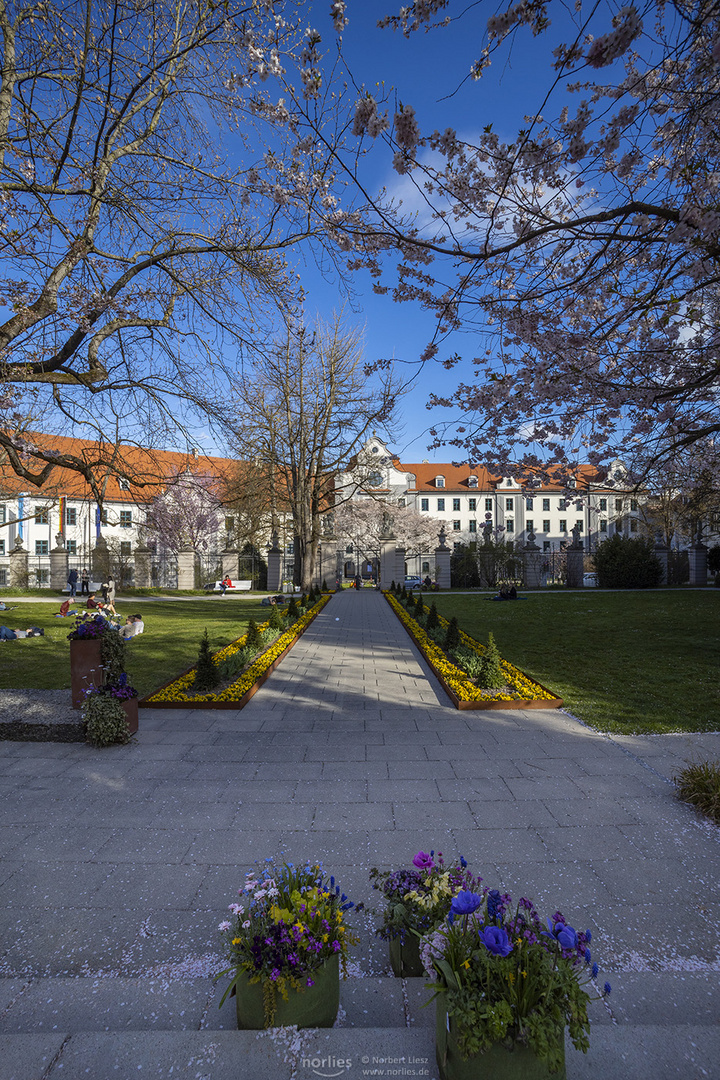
x=110, y=598
x=72, y=581
x=85, y=583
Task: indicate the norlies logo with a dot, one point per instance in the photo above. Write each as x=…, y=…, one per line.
x=327, y=1066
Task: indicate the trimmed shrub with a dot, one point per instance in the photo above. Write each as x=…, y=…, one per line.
x=292, y=610
x=432, y=619
x=206, y=674
x=419, y=606
x=325, y=585
x=276, y=619
x=491, y=675
x=452, y=636
x=627, y=563
x=253, y=639
x=713, y=558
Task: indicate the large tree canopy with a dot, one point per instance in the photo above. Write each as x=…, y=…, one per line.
x=142, y=228
x=585, y=248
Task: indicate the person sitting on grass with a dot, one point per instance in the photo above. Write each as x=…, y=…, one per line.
x=65, y=610
x=133, y=626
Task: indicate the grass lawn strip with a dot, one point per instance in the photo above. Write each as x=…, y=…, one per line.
x=239, y=692
x=526, y=692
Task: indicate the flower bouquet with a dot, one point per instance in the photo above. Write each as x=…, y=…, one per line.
x=506, y=986
x=416, y=901
x=286, y=942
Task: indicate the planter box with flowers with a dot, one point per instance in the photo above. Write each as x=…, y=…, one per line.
x=287, y=941
x=506, y=987
x=519, y=691
x=416, y=902
x=238, y=691
x=100, y=685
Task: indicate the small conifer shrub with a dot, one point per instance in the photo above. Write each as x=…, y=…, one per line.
x=207, y=675
x=490, y=675
x=276, y=619
x=325, y=585
x=292, y=610
x=432, y=619
x=253, y=639
x=419, y=606
x=452, y=636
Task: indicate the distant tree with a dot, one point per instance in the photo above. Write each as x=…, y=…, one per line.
x=187, y=515
x=304, y=409
x=363, y=522
x=627, y=563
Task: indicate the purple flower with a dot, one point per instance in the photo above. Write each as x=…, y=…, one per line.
x=588, y=956
x=565, y=935
x=594, y=971
x=493, y=903
x=423, y=861
x=496, y=940
x=607, y=988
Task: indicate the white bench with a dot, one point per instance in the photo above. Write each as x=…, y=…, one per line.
x=238, y=586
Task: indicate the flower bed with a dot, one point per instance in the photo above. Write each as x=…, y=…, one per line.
x=525, y=692
x=236, y=696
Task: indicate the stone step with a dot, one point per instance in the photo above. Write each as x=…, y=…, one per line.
x=625, y=1052
x=660, y=1026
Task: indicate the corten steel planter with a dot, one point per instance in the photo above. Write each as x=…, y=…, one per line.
x=130, y=706
x=86, y=670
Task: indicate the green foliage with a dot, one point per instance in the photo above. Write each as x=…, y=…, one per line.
x=293, y=612
x=393, y=586
x=324, y=585
x=104, y=720
x=419, y=606
x=491, y=675
x=678, y=567
x=627, y=563
x=276, y=619
x=410, y=603
x=699, y=784
x=468, y=660
x=206, y=674
x=403, y=594
x=713, y=558
x=253, y=639
x=452, y=636
x=464, y=568
x=112, y=654
x=432, y=619
x=235, y=665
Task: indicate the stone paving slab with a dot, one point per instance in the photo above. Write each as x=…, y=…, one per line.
x=118, y=865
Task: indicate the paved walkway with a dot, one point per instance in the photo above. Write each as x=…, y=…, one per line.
x=118, y=865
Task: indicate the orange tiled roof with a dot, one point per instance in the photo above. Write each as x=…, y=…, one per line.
x=147, y=470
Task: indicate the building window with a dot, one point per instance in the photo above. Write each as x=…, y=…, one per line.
x=579, y=526
x=603, y=526
x=618, y=506
x=546, y=504
x=71, y=516
x=424, y=504
x=472, y=505
x=3, y=578
x=473, y=526
x=2, y=547
x=510, y=525
x=426, y=568
x=375, y=480
x=441, y=504
x=528, y=504
x=562, y=505
x=508, y=482
x=71, y=546
x=563, y=525
x=530, y=526
x=126, y=519
x=401, y=502
x=472, y=481
x=546, y=545
x=3, y=518
x=633, y=525
x=509, y=504
x=41, y=515
x=456, y=504
x=488, y=504
x=123, y=484
x=633, y=504
x=41, y=547
x=546, y=525
x=440, y=481
x=125, y=548
x=456, y=526
x=603, y=504
x=42, y=577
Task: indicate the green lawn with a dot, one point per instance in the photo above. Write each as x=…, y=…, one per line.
x=623, y=661
x=169, y=645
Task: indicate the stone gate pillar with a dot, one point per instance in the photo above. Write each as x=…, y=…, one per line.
x=142, y=578
x=274, y=561
x=442, y=561
x=59, y=561
x=698, y=564
x=19, y=565
x=186, y=569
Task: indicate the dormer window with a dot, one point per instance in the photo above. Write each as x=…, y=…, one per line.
x=123, y=484
x=472, y=481
x=440, y=481
x=508, y=482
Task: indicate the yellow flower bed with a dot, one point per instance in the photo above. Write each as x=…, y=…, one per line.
x=462, y=686
x=178, y=691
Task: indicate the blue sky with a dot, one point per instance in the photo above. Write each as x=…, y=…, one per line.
x=429, y=71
